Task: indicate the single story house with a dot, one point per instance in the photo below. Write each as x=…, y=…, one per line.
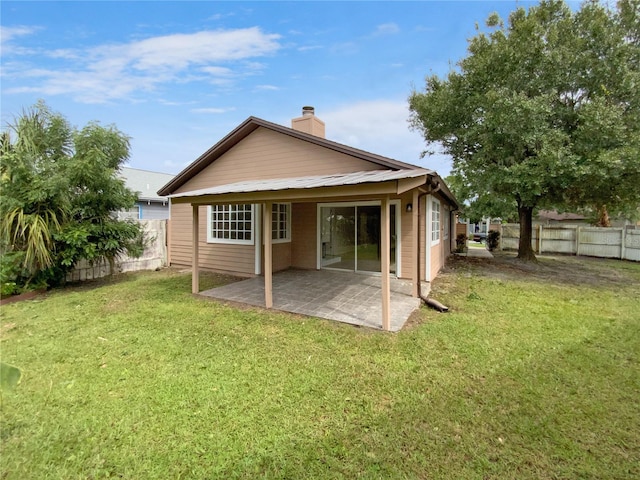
x=267, y=198
x=150, y=205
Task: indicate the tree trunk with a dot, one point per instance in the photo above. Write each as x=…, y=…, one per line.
x=603, y=216
x=525, y=252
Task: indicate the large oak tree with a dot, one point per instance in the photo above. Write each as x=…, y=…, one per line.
x=544, y=111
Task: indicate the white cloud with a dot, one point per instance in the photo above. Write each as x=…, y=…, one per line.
x=386, y=29
x=267, y=87
x=217, y=71
x=216, y=110
x=181, y=50
x=306, y=48
x=8, y=47
x=114, y=71
x=9, y=33
x=381, y=127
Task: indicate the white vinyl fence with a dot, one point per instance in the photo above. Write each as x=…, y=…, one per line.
x=154, y=256
x=621, y=243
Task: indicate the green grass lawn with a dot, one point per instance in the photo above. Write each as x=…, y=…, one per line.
x=534, y=373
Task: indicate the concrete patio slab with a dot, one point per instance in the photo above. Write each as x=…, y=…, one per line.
x=346, y=297
x=478, y=252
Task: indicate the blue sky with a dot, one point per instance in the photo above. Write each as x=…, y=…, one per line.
x=178, y=76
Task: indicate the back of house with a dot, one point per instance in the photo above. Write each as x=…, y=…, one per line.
x=327, y=205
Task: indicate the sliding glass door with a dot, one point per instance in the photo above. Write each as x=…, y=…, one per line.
x=350, y=237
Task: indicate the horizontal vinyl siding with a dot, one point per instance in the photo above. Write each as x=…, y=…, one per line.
x=237, y=259
x=281, y=256
x=267, y=154
x=436, y=260
x=153, y=211
x=406, y=236
x=304, y=227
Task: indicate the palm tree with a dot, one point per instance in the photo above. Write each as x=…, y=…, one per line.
x=33, y=205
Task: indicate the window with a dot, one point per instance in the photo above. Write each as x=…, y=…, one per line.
x=281, y=222
x=231, y=223
x=435, y=221
x=447, y=220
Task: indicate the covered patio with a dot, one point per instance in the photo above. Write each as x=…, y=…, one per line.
x=346, y=297
x=377, y=186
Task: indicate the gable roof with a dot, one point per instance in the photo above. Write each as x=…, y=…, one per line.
x=250, y=125
x=145, y=183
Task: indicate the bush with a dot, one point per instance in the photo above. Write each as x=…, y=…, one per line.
x=461, y=242
x=493, y=240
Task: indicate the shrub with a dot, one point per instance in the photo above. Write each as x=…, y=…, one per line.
x=493, y=240
x=461, y=242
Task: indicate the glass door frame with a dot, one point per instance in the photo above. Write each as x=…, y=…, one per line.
x=395, y=202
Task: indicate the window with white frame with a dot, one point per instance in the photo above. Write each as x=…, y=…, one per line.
x=281, y=222
x=447, y=220
x=231, y=223
x=435, y=221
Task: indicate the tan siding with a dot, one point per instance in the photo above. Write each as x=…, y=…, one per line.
x=406, y=236
x=436, y=260
x=237, y=259
x=281, y=256
x=267, y=154
x=304, y=227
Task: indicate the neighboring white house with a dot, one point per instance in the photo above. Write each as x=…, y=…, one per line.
x=150, y=206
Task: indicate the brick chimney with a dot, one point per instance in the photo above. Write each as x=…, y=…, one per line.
x=308, y=123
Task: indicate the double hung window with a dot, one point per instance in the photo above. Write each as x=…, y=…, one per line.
x=281, y=222
x=435, y=221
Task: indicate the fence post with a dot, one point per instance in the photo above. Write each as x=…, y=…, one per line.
x=623, y=239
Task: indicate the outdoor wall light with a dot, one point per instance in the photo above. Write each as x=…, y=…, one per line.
x=409, y=208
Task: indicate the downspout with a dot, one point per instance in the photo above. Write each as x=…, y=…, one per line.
x=433, y=188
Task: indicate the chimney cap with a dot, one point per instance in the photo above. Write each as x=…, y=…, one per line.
x=308, y=110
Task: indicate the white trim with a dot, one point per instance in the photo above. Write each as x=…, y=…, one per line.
x=258, y=236
x=229, y=241
x=427, y=236
x=446, y=226
x=288, y=238
x=436, y=201
x=398, y=204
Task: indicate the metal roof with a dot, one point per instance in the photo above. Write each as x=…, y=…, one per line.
x=145, y=183
x=371, y=176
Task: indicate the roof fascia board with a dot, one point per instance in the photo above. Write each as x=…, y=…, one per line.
x=406, y=184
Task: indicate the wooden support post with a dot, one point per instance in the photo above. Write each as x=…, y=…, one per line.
x=415, y=240
x=268, y=254
x=195, y=261
x=622, y=242
x=385, y=259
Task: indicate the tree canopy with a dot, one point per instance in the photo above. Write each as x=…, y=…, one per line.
x=60, y=190
x=544, y=112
